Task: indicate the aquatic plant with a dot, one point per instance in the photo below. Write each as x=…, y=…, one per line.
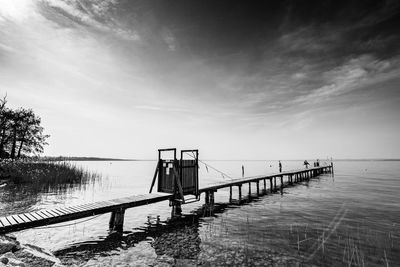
x=45, y=173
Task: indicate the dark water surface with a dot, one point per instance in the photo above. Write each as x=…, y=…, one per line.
x=351, y=218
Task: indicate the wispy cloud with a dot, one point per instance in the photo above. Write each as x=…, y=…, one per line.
x=352, y=75
x=92, y=13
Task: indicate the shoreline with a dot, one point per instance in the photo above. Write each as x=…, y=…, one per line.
x=12, y=253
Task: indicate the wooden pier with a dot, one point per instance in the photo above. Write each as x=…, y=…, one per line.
x=117, y=207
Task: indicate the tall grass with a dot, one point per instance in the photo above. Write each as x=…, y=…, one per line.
x=45, y=174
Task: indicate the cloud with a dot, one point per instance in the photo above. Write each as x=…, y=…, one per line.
x=169, y=39
x=16, y=10
x=354, y=74
x=94, y=13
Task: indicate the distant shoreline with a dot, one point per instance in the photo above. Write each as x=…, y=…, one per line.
x=117, y=159
x=85, y=159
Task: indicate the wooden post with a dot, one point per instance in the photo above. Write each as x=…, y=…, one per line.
x=265, y=187
x=271, y=188
x=212, y=198
x=240, y=192
x=155, y=175
x=250, y=189
x=274, y=183
x=176, y=209
x=117, y=220
x=230, y=194
x=207, y=198
x=258, y=187
x=281, y=182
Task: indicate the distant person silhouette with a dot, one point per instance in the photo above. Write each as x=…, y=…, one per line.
x=306, y=164
x=280, y=166
x=242, y=171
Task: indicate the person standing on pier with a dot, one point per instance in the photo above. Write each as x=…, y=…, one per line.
x=242, y=171
x=280, y=166
x=306, y=164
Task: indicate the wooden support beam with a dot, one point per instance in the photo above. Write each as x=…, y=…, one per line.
x=250, y=189
x=212, y=200
x=117, y=220
x=258, y=188
x=271, y=187
x=176, y=209
x=155, y=176
x=240, y=192
x=178, y=183
x=230, y=194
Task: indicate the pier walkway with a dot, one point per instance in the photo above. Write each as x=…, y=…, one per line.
x=117, y=207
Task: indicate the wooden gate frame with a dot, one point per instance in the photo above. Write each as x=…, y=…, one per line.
x=178, y=190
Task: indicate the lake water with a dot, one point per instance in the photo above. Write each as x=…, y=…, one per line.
x=351, y=218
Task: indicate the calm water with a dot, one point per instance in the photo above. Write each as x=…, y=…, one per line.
x=351, y=218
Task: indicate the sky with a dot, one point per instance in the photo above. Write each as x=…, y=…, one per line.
x=234, y=79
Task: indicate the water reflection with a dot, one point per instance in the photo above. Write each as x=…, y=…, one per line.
x=20, y=196
x=177, y=238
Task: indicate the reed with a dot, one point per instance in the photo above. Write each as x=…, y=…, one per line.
x=347, y=246
x=45, y=173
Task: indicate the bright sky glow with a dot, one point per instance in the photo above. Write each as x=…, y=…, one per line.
x=123, y=78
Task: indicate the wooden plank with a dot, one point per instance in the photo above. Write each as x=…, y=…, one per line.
x=18, y=219
x=37, y=216
x=120, y=201
x=48, y=213
x=43, y=215
x=95, y=205
x=25, y=218
x=71, y=209
x=91, y=206
x=84, y=207
x=4, y=221
x=30, y=217
x=106, y=204
x=58, y=212
x=52, y=213
x=62, y=210
x=79, y=208
x=11, y=220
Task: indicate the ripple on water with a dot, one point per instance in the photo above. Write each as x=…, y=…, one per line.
x=351, y=218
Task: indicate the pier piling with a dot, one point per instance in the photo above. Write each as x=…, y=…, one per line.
x=117, y=220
